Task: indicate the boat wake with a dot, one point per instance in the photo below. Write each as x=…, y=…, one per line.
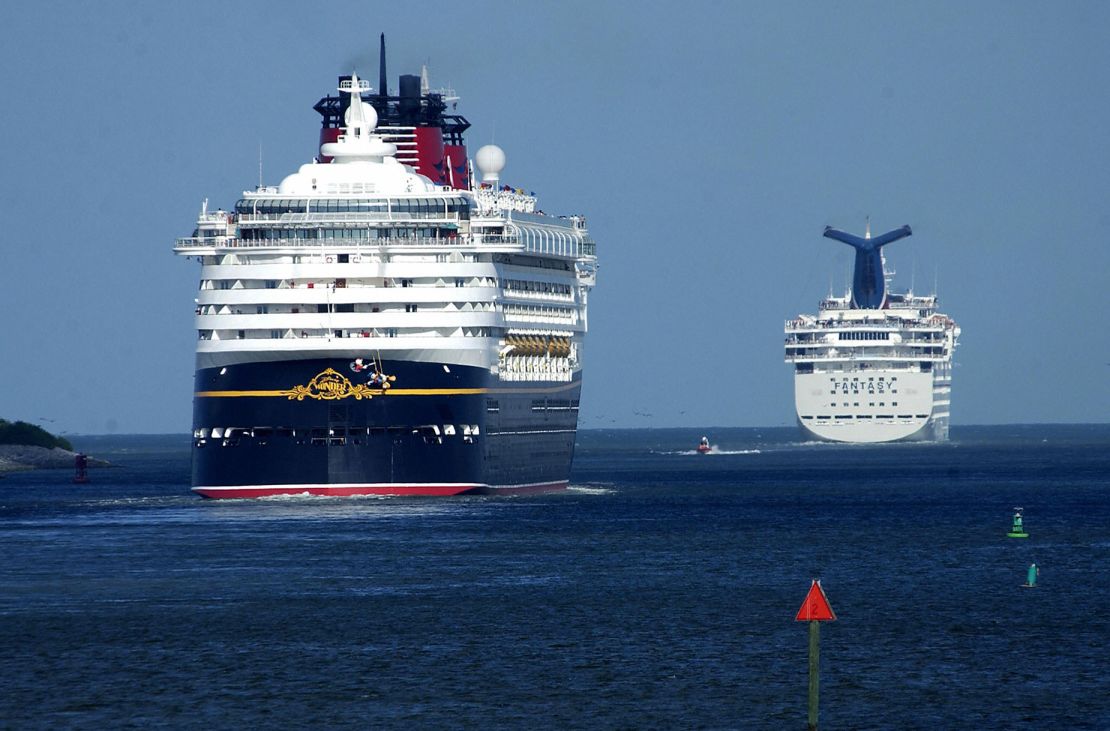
x=713, y=451
x=308, y=497
x=590, y=490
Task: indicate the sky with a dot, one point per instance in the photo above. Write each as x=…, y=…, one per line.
x=707, y=143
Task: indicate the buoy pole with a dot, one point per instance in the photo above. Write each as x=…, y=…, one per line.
x=814, y=666
x=815, y=610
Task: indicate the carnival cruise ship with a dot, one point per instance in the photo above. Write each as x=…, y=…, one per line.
x=384, y=320
x=873, y=365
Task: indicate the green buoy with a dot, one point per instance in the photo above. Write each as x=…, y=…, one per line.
x=1017, y=530
x=1031, y=577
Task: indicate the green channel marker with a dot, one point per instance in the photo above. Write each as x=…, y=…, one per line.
x=1031, y=577
x=1017, y=530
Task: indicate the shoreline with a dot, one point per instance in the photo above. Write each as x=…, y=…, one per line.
x=23, y=457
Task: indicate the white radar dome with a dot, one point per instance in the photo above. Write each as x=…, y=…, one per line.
x=491, y=161
x=369, y=115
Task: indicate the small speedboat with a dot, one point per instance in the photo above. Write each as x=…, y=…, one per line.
x=703, y=447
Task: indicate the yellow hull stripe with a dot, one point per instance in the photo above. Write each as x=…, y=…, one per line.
x=393, y=392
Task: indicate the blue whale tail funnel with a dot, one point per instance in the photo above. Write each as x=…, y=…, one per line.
x=868, y=285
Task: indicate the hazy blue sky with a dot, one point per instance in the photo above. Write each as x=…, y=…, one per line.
x=707, y=143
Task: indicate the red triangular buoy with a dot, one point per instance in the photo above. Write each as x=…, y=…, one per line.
x=816, y=607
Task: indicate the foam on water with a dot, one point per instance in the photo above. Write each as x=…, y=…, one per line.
x=590, y=490
x=714, y=450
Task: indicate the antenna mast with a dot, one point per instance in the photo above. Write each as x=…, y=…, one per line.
x=383, y=92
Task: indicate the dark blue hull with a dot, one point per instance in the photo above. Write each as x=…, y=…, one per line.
x=330, y=427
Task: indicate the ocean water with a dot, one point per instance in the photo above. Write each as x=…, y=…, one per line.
x=659, y=592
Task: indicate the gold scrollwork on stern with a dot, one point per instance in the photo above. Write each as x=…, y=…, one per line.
x=329, y=385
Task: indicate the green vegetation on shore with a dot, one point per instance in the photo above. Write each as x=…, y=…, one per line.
x=22, y=433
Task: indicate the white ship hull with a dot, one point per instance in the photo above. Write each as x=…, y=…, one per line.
x=838, y=406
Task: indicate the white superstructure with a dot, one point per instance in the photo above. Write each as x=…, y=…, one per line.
x=363, y=254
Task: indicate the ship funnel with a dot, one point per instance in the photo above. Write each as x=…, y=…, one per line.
x=868, y=285
x=409, y=104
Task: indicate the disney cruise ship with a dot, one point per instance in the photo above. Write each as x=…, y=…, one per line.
x=382, y=323
x=872, y=366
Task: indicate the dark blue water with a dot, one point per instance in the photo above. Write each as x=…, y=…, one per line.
x=659, y=592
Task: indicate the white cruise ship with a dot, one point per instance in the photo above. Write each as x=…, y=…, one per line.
x=873, y=365
x=381, y=322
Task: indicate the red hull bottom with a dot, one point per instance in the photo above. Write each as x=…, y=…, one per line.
x=257, y=491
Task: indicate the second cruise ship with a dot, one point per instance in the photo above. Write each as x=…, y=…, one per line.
x=384, y=322
x=873, y=365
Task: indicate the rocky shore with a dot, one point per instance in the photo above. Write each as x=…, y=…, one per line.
x=15, y=457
